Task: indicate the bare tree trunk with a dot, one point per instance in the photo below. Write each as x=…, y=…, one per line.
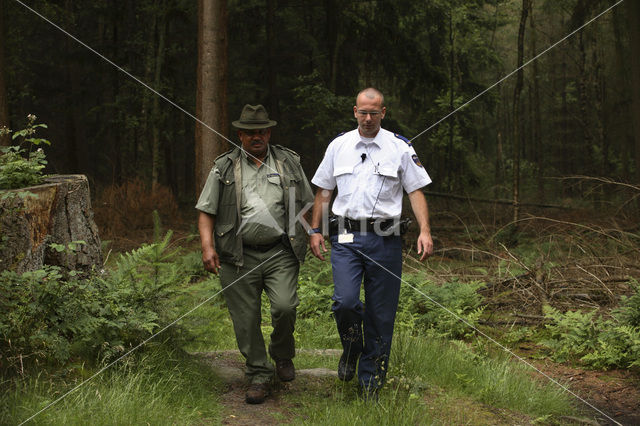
x=273, y=101
x=621, y=54
x=70, y=69
x=211, y=95
x=334, y=41
x=156, y=161
x=538, y=145
x=4, y=101
x=499, y=169
x=517, y=120
x=634, y=32
x=450, y=148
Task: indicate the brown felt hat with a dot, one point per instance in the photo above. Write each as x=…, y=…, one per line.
x=254, y=117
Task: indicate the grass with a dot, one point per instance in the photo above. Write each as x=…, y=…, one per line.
x=160, y=387
x=491, y=379
x=431, y=380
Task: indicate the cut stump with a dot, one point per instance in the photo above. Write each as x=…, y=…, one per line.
x=57, y=212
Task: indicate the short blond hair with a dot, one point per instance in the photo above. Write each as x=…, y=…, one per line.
x=371, y=93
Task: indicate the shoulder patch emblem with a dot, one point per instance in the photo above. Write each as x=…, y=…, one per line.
x=399, y=136
x=339, y=134
x=416, y=160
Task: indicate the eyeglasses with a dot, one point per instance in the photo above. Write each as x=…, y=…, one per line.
x=373, y=114
x=252, y=132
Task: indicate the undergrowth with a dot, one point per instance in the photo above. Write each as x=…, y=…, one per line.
x=49, y=318
x=159, y=386
x=594, y=340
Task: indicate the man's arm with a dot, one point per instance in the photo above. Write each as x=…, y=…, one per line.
x=320, y=204
x=421, y=211
x=210, y=258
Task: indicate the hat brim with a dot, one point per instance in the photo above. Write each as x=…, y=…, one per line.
x=247, y=125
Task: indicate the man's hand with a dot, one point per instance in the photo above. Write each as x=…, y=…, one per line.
x=421, y=211
x=425, y=245
x=316, y=241
x=320, y=208
x=211, y=260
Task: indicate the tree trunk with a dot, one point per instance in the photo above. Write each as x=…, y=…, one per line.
x=334, y=41
x=517, y=120
x=71, y=78
x=538, y=145
x=271, y=60
x=161, y=29
x=621, y=67
x=5, y=140
x=450, y=177
x=211, y=95
x=634, y=31
x=59, y=213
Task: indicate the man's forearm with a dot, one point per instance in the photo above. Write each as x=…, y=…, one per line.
x=420, y=209
x=206, y=223
x=322, y=199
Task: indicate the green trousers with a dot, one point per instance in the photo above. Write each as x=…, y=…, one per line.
x=275, y=272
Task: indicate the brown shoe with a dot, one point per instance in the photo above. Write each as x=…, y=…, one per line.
x=285, y=369
x=256, y=393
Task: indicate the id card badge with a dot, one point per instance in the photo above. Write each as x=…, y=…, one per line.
x=345, y=238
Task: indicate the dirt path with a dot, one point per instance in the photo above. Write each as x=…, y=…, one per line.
x=228, y=365
x=615, y=392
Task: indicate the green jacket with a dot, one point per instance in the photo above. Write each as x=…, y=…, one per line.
x=296, y=191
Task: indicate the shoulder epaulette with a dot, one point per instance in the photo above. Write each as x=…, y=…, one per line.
x=399, y=136
x=223, y=154
x=289, y=150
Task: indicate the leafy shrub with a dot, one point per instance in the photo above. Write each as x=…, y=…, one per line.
x=597, y=342
x=453, y=301
x=19, y=166
x=315, y=289
x=48, y=318
x=629, y=311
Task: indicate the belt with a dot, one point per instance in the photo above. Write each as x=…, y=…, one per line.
x=262, y=247
x=338, y=223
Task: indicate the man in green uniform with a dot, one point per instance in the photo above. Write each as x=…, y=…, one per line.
x=251, y=233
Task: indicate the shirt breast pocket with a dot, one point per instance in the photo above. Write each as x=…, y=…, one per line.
x=389, y=181
x=344, y=179
x=274, y=178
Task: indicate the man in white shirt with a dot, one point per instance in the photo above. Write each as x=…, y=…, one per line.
x=370, y=167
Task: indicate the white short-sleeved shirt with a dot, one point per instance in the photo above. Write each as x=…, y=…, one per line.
x=370, y=186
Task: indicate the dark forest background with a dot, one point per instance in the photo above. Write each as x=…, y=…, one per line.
x=569, y=114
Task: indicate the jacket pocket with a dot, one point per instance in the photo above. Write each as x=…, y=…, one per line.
x=225, y=239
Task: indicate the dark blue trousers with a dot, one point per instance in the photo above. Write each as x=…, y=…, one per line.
x=376, y=262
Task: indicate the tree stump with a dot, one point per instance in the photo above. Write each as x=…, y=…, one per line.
x=57, y=212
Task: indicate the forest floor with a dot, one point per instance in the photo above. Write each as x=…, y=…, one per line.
x=616, y=392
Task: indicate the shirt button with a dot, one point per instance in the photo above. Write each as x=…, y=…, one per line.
x=291, y=238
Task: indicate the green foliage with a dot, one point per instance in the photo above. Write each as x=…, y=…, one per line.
x=47, y=317
x=162, y=386
x=597, y=342
x=629, y=311
x=495, y=380
x=21, y=166
x=571, y=333
x=427, y=306
x=317, y=106
x=315, y=289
